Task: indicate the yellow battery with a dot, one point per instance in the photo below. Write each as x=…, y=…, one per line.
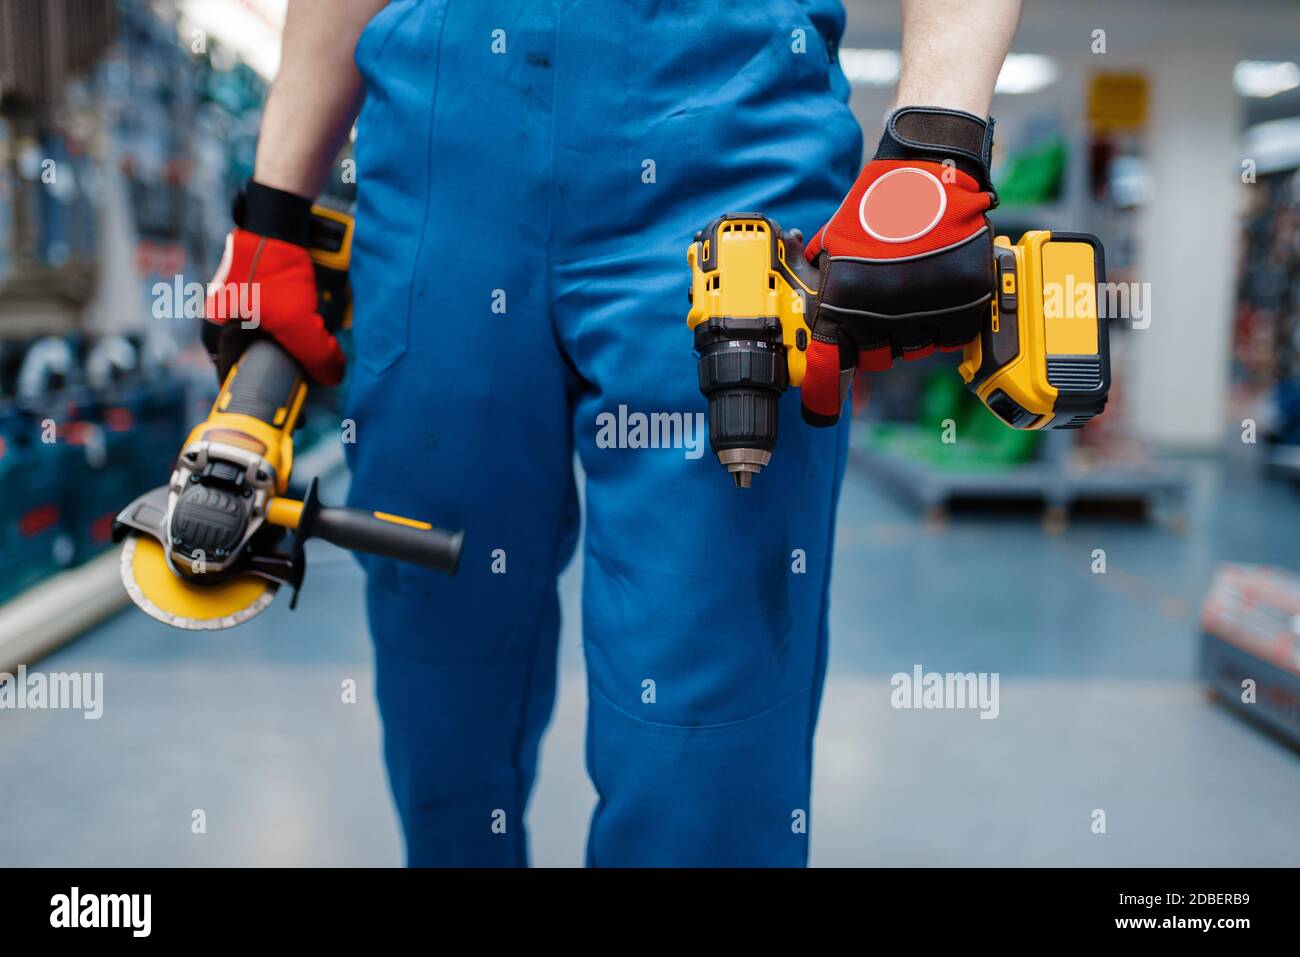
x=1043, y=359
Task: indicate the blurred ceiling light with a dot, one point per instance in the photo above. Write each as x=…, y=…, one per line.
x=250, y=28
x=1273, y=146
x=1263, y=78
x=1026, y=73
x=869, y=67
x=1021, y=73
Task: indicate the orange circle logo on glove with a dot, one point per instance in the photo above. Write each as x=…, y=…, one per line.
x=902, y=205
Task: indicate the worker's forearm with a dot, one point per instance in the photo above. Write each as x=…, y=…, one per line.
x=953, y=50
x=314, y=98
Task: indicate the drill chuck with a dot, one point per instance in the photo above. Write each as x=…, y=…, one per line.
x=743, y=373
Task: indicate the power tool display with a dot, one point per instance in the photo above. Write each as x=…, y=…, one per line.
x=210, y=549
x=1042, y=359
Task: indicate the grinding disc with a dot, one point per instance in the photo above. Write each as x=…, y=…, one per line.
x=163, y=595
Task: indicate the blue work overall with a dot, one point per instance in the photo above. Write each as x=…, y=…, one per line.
x=529, y=177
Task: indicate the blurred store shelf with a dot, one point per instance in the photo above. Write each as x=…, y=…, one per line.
x=43, y=42
x=1159, y=491
x=1284, y=460
x=1250, y=644
x=1051, y=469
x=69, y=603
x=59, y=609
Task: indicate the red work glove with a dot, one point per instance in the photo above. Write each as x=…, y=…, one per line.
x=907, y=260
x=266, y=285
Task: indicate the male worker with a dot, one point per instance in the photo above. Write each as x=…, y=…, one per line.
x=528, y=178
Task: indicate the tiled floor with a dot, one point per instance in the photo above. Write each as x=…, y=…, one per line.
x=1099, y=709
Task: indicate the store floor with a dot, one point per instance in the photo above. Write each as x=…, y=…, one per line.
x=1099, y=708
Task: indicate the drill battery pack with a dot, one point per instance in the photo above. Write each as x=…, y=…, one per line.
x=1042, y=359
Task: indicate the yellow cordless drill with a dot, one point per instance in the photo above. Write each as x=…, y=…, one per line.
x=1042, y=360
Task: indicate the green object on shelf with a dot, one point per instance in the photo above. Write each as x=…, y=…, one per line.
x=953, y=432
x=1035, y=175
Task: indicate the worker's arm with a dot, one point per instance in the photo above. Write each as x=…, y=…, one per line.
x=266, y=268
x=907, y=260
x=314, y=99
x=953, y=50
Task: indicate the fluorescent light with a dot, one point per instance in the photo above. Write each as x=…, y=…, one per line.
x=1274, y=146
x=250, y=28
x=1263, y=78
x=869, y=67
x=1026, y=73
x=1021, y=73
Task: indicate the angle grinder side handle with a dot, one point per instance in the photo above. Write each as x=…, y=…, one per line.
x=374, y=533
x=389, y=536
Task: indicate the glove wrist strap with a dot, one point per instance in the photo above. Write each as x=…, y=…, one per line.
x=273, y=213
x=938, y=134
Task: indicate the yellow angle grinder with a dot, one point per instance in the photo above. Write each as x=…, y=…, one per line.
x=211, y=548
x=1042, y=359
